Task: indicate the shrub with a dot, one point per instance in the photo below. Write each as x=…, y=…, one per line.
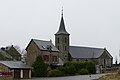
x=80, y=65
x=90, y=66
x=68, y=68
x=83, y=72
x=72, y=68
x=61, y=69
x=55, y=73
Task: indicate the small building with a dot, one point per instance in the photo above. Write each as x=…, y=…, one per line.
x=11, y=50
x=46, y=49
x=15, y=69
x=9, y=53
x=4, y=55
x=98, y=55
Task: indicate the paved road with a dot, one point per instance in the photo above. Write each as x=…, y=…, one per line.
x=80, y=77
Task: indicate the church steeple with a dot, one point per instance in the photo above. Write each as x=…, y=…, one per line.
x=62, y=40
x=62, y=29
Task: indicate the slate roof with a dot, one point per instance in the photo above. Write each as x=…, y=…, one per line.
x=62, y=29
x=85, y=52
x=44, y=44
x=13, y=50
x=15, y=64
x=5, y=54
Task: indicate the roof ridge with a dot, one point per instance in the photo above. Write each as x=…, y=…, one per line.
x=87, y=47
x=41, y=40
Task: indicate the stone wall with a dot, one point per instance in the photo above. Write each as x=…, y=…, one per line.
x=32, y=53
x=4, y=68
x=6, y=78
x=105, y=60
x=63, y=45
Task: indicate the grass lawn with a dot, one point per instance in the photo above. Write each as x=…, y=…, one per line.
x=110, y=76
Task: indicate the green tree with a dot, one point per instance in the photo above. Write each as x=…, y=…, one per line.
x=39, y=68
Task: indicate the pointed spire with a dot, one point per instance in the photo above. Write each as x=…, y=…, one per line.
x=62, y=29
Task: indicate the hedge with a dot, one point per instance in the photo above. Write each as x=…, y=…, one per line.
x=83, y=72
x=72, y=68
x=55, y=73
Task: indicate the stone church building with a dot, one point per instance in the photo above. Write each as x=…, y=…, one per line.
x=62, y=51
x=100, y=56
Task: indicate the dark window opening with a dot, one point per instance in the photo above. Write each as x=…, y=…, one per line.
x=45, y=57
x=58, y=47
x=65, y=48
x=58, y=40
x=65, y=40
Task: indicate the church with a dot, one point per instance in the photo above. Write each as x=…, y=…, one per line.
x=63, y=51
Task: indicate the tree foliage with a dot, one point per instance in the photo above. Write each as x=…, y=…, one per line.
x=81, y=67
x=39, y=68
x=55, y=73
x=90, y=66
x=83, y=72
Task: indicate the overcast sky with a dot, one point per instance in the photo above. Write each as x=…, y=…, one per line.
x=93, y=23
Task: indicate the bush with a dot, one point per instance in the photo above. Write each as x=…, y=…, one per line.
x=90, y=66
x=62, y=69
x=83, y=72
x=68, y=68
x=55, y=73
x=73, y=67
x=81, y=67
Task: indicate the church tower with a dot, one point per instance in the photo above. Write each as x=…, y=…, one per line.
x=62, y=40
